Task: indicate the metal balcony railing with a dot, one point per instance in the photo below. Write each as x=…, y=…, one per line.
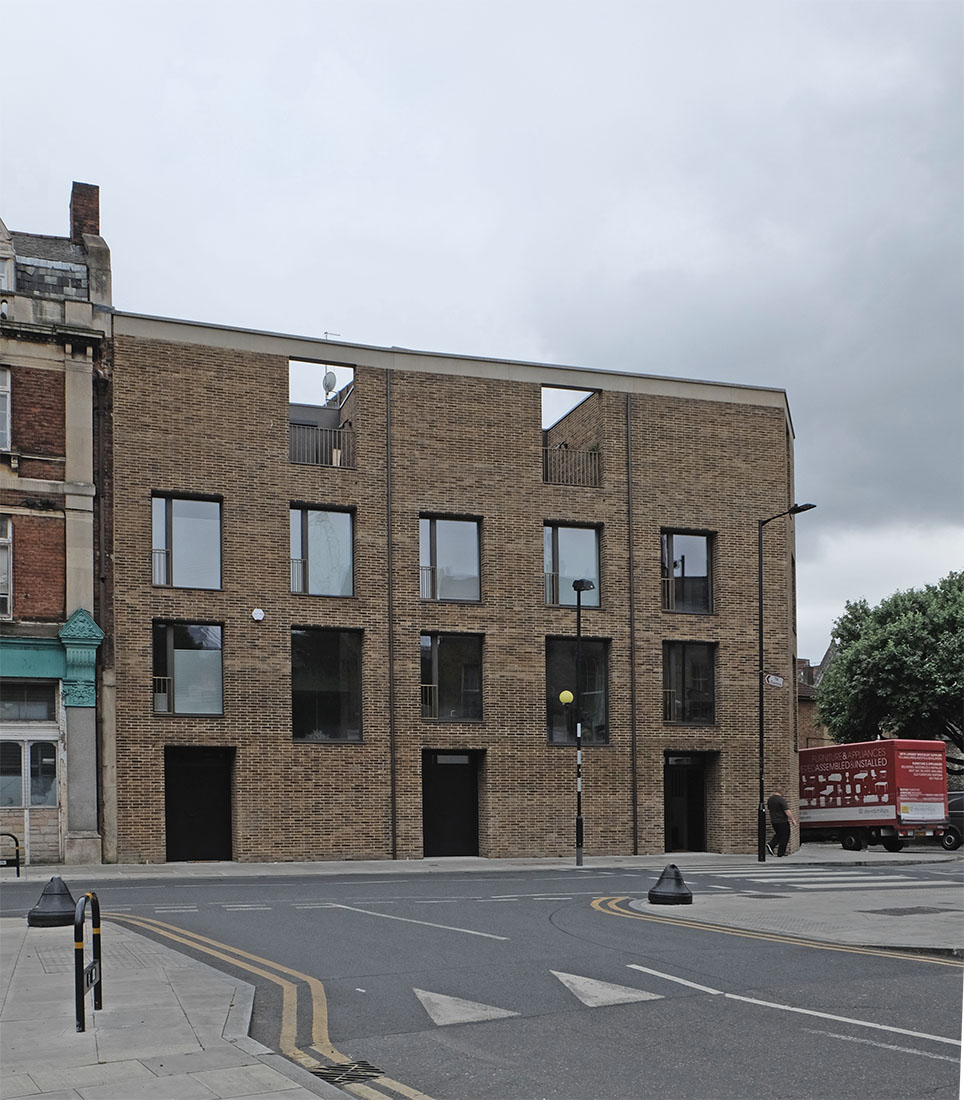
x=161, y=567
x=428, y=582
x=311, y=446
x=299, y=575
x=564, y=466
x=670, y=706
x=163, y=695
x=429, y=700
x=552, y=587
x=669, y=593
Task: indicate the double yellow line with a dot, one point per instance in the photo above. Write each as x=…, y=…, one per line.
x=271, y=971
x=620, y=907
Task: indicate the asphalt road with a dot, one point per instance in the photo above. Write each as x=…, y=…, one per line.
x=526, y=984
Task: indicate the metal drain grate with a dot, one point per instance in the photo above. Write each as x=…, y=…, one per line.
x=346, y=1072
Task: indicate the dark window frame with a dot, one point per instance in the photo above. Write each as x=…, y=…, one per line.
x=304, y=510
x=561, y=720
x=432, y=689
x=432, y=588
x=683, y=700
x=554, y=587
x=354, y=693
x=169, y=626
x=168, y=549
x=670, y=584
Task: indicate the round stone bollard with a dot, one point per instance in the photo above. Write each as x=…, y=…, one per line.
x=56, y=906
x=671, y=889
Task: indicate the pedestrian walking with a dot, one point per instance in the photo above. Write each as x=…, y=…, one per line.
x=781, y=818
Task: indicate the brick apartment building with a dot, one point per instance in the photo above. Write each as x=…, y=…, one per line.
x=338, y=604
x=55, y=297
x=343, y=619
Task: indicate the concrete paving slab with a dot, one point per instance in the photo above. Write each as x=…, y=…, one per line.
x=245, y=1081
x=102, y=1073
x=222, y=1057
x=152, y=1042
x=13, y=1085
x=160, y=1088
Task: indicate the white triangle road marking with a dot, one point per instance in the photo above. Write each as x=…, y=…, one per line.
x=453, y=1010
x=596, y=994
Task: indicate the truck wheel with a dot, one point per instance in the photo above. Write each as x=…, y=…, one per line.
x=852, y=841
x=892, y=843
x=951, y=840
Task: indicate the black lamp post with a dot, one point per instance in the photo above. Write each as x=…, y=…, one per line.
x=579, y=586
x=761, y=836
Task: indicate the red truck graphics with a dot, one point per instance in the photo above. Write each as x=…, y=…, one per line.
x=889, y=788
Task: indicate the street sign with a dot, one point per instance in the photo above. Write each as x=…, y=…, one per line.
x=772, y=680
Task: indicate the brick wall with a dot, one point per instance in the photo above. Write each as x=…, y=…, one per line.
x=199, y=419
x=39, y=562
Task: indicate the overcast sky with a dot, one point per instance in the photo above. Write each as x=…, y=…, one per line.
x=757, y=192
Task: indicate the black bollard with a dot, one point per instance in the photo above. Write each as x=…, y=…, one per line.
x=56, y=906
x=671, y=889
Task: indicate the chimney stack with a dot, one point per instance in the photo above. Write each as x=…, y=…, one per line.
x=84, y=211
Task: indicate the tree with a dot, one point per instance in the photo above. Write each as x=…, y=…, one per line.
x=899, y=669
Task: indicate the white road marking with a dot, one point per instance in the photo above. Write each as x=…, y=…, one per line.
x=186, y=909
x=427, y=924
x=317, y=905
x=244, y=908
x=886, y=1046
x=453, y=1010
x=679, y=981
x=801, y=1011
x=596, y=994
x=908, y=884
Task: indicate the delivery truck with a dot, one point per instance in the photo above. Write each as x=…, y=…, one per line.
x=874, y=792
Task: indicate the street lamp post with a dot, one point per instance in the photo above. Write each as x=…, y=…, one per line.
x=761, y=836
x=579, y=586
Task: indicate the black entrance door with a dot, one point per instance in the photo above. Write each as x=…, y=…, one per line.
x=450, y=803
x=684, y=804
x=197, y=802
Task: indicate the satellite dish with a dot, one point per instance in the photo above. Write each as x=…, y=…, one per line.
x=330, y=381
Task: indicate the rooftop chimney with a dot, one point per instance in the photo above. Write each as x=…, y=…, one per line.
x=84, y=211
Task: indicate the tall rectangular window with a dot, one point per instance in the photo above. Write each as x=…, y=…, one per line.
x=590, y=694
x=186, y=542
x=187, y=668
x=321, y=552
x=11, y=774
x=452, y=677
x=687, y=571
x=569, y=554
x=42, y=790
x=448, y=552
x=689, y=683
x=6, y=568
x=6, y=433
x=326, y=693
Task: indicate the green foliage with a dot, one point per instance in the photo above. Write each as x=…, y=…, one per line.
x=899, y=667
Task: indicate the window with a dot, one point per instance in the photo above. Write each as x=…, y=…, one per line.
x=6, y=438
x=43, y=774
x=687, y=572
x=186, y=542
x=688, y=683
x=11, y=774
x=6, y=568
x=321, y=552
x=187, y=668
x=321, y=405
x=452, y=677
x=592, y=694
x=28, y=701
x=570, y=553
x=449, y=559
x=326, y=685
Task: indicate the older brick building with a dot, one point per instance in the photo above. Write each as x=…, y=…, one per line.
x=55, y=296
x=342, y=619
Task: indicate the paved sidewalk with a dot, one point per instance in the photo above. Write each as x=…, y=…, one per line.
x=176, y=1029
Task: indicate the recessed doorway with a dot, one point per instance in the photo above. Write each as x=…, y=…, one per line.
x=450, y=802
x=197, y=802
